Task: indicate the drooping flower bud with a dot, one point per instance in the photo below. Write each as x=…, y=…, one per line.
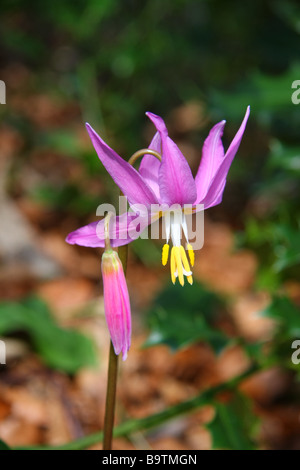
x=116, y=300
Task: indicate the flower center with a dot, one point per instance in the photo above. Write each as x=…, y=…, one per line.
x=175, y=224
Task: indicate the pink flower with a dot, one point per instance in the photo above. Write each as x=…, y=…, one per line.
x=116, y=302
x=166, y=182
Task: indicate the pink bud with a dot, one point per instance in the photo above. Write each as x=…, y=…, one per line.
x=116, y=302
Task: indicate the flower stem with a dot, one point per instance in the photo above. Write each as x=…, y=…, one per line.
x=110, y=398
x=112, y=377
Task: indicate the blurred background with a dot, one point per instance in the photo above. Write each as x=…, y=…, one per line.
x=194, y=63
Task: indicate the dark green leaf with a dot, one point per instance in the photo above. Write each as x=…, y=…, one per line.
x=63, y=349
x=181, y=316
x=287, y=315
x=151, y=255
x=3, y=446
x=233, y=425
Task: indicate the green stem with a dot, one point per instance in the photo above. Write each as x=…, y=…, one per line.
x=110, y=405
x=134, y=425
x=112, y=377
x=123, y=255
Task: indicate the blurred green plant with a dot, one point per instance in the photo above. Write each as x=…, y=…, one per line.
x=234, y=425
x=120, y=58
x=287, y=329
x=62, y=349
x=272, y=229
x=180, y=317
x=3, y=446
x=169, y=324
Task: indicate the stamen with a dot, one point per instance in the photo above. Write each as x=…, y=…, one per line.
x=186, y=265
x=179, y=266
x=191, y=254
x=184, y=259
x=180, y=263
x=173, y=266
x=165, y=254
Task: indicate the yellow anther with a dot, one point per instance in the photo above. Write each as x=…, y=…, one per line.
x=179, y=267
x=184, y=259
x=191, y=254
x=179, y=263
x=186, y=264
x=165, y=254
x=173, y=265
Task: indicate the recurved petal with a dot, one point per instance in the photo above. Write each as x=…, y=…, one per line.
x=149, y=167
x=123, y=229
x=125, y=176
x=176, y=182
x=212, y=157
x=216, y=188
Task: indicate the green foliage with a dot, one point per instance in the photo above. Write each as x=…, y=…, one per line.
x=287, y=318
x=69, y=198
x=151, y=256
x=285, y=157
x=285, y=312
x=3, y=446
x=288, y=11
x=233, y=425
x=223, y=55
x=180, y=317
x=278, y=247
x=62, y=349
x=274, y=231
x=268, y=95
x=276, y=351
x=170, y=53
